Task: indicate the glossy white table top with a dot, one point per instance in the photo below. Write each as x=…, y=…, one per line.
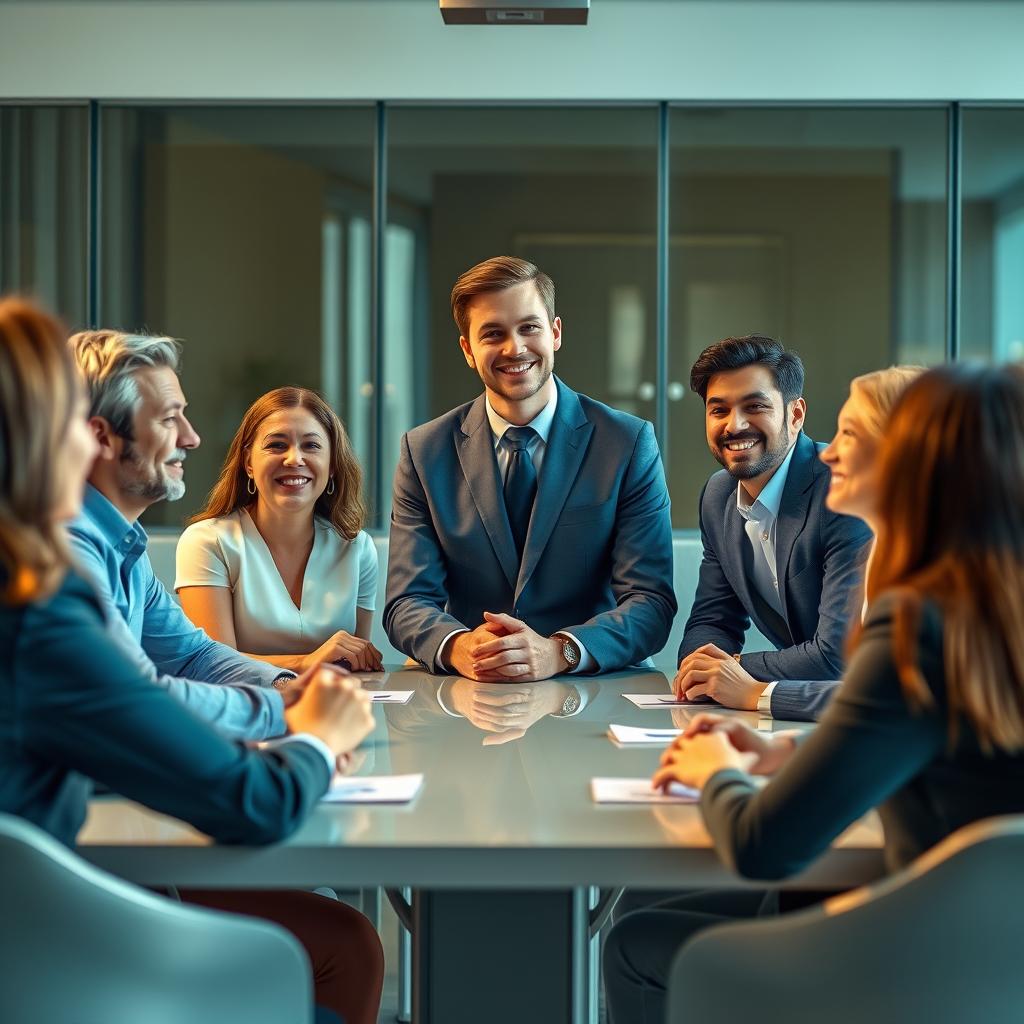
x=500, y=807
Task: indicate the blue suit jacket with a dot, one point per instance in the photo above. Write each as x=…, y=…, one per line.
x=819, y=557
x=598, y=556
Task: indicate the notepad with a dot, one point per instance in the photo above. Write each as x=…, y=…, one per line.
x=390, y=696
x=662, y=700
x=632, y=736
x=638, y=791
x=373, y=789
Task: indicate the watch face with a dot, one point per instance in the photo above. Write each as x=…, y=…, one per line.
x=570, y=653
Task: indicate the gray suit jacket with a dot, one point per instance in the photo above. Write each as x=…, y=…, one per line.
x=598, y=555
x=820, y=557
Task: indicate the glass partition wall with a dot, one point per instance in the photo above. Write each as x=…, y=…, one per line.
x=317, y=244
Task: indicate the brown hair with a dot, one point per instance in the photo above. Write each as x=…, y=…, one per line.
x=495, y=275
x=952, y=533
x=879, y=391
x=38, y=391
x=344, y=508
x=785, y=366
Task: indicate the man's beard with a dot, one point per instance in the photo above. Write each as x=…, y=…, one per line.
x=498, y=383
x=143, y=480
x=771, y=458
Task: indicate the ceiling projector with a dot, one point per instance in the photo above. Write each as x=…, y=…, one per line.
x=503, y=12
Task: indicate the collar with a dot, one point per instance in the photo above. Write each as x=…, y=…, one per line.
x=770, y=498
x=541, y=422
x=111, y=524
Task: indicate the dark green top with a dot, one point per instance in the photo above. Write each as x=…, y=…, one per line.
x=869, y=751
x=74, y=707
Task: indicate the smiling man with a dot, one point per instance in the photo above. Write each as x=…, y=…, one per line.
x=137, y=414
x=530, y=529
x=773, y=552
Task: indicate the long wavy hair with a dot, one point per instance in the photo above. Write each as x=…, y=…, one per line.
x=344, y=509
x=38, y=391
x=951, y=532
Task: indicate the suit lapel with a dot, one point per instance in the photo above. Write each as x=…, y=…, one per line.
x=475, y=445
x=793, y=509
x=567, y=444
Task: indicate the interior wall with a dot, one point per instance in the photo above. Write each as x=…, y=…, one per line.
x=760, y=50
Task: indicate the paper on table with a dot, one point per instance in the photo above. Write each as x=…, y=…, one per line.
x=638, y=791
x=390, y=696
x=662, y=700
x=373, y=789
x=631, y=735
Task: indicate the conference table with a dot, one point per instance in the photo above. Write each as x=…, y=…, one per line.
x=512, y=867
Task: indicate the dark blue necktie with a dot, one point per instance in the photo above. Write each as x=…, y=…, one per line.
x=520, y=482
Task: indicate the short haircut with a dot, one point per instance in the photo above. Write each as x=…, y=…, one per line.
x=495, y=275
x=753, y=349
x=108, y=361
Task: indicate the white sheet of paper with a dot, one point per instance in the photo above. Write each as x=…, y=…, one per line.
x=631, y=735
x=373, y=789
x=390, y=696
x=663, y=700
x=638, y=791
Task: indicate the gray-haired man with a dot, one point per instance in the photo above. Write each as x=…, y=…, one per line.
x=137, y=411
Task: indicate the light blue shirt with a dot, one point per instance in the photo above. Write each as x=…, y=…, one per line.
x=213, y=680
x=762, y=516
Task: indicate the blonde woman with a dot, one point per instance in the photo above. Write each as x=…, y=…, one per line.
x=277, y=564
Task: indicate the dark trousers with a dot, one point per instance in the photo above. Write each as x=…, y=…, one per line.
x=640, y=948
x=342, y=945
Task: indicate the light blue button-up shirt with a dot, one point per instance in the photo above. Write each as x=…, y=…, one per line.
x=762, y=516
x=216, y=682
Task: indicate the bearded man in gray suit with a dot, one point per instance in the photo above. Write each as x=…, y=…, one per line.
x=530, y=528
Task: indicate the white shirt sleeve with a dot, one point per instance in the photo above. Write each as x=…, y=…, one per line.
x=764, y=702
x=367, y=595
x=440, y=665
x=586, y=658
x=199, y=560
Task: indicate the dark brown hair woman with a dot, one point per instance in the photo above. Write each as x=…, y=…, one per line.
x=928, y=725
x=277, y=564
x=76, y=706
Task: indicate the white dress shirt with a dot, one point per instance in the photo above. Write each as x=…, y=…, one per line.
x=541, y=425
x=762, y=517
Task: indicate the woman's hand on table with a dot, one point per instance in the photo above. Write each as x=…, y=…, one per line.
x=360, y=654
x=712, y=743
x=334, y=708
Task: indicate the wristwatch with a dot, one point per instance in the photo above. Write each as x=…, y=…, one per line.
x=570, y=650
x=282, y=680
x=570, y=705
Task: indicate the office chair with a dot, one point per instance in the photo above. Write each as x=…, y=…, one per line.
x=938, y=943
x=78, y=946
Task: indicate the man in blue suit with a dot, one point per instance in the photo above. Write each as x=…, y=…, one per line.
x=530, y=530
x=773, y=553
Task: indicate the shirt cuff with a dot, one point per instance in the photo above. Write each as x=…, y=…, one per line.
x=314, y=741
x=444, y=707
x=587, y=662
x=439, y=664
x=764, y=702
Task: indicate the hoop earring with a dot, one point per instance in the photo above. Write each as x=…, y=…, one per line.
x=251, y=486
x=330, y=487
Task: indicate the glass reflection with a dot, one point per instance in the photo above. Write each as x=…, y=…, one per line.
x=506, y=711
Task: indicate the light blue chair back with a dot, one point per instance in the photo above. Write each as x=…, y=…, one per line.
x=78, y=946
x=939, y=943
